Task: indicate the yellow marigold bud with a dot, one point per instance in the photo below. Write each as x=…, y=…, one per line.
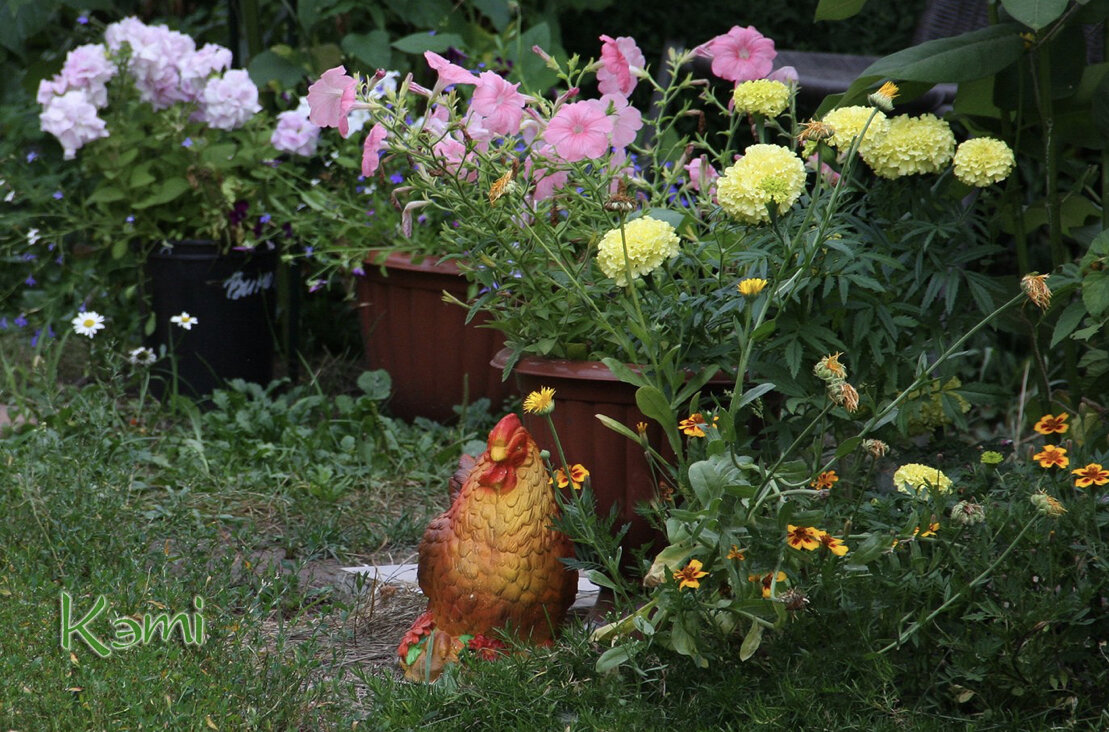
x=883, y=98
x=1035, y=286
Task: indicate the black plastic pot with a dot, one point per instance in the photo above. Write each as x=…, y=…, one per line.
x=233, y=298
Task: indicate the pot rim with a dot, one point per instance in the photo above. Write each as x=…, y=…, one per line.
x=565, y=368
x=393, y=259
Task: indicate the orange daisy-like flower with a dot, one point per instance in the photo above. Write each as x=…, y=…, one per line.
x=693, y=426
x=766, y=580
x=803, y=537
x=1092, y=474
x=832, y=544
x=932, y=529
x=1049, y=424
x=691, y=575
x=578, y=474
x=736, y=554
x=825, y=480
x=1052, y=455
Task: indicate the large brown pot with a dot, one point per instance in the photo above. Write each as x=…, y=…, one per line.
x=435, y=359
x=618, y=469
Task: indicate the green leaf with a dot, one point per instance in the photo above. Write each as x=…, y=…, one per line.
x=1068, y=321
x=417, y=43
x=1036, y=14
x=375, y=384
x=754, y=393
x=600, y=579
x=653, y=404
x=751, y=641
x=1095, y=293
x=106, y=194
x=533, y=70
x=617, y=427
x=497, y=11
x=613, y=658
x=837, y=9
x=170, y=189
x=848, y=446
x=371, y=48
x=141, y=177
x=269, y=66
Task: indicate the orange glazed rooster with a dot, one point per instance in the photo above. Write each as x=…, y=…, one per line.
x=491, y=562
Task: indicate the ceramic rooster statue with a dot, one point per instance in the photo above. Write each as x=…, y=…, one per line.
x=491, y=561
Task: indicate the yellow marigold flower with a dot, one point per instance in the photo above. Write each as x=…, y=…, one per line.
x=762, y=96
x=691, y=575
x=1092, y=474
x=766, y=174
x=736, y=554
x=1035, y=286
x=832, y=544
x=829, y=368
x=649, y=241
x=911, y=145
x=1052, y=456
x=540, y=402
x=802, y=537
x=1049, y=424
x=751, y=286
x=847, y=123
x=693, y=425
x=931, y=530
x=983, y=161
x=918, y=480
x=883, y=98
x=990, y=457
x=766, y=580
x=578, y=474
x=825, y=480
x=1047, y=505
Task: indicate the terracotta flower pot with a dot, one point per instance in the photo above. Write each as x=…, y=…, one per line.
x=232, y=295
x=436, y=359
x=619, y=473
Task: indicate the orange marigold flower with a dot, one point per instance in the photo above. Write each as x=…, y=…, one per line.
x=1050, y=425
x=693, y=426
x=802, y=537
x=691, y=575
x=736, y=554
x=766, y=580
x=1092, y=474
x=1052, y=455
x=825, y=480
x=832, y=544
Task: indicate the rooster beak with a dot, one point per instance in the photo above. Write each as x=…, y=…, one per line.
x=498, y=452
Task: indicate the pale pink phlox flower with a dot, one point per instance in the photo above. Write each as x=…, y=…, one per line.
x=226, y=103
x=156, y=52
x=499, y=103
x=295, y=134
x=741, y=54
x=626, y=119
x=619, y=58
x=702, y=176
x=197, y=68
x=87, y=68
x=331, y=98
x=72, y=118
x=371, y=149
x=579, y=130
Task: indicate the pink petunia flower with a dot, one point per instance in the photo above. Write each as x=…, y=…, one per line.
x=372, y=148
x=626, y=119
x=786, y=75
x=579, y=130
x=448, y=73
x=741, y=54
x=456, y=161
x=499, y=102
x=331, y=98
x=546, y=180
x=618, y=57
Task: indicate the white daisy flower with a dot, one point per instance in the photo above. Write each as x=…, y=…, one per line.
x=142, y=356
x=87, y=323
x=185, y=320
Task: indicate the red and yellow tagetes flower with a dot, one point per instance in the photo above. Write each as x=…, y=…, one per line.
x=832, y=544
x=766, y=580
x=736, y=554
x=578, y=474
x=1052, y=456
x=825, y=480
x=803, y=537
x=694, y=425
x=691, y=575
x=1092, y=474
x=1049, y=424
x=932, y=529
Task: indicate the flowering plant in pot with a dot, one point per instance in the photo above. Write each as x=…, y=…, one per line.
x=710, y=235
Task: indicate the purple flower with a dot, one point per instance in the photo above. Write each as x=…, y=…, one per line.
x=30, y=281
x=396, y=179
x=264, y=218
x=82, y=20
x=20, y=321
x=28, y=257
x=35, y=338
x=187, y=142
x=58, y=195
x=3, y=323
x=32, y=156
x=72, y=118
x=130, y=219
x=358, y=272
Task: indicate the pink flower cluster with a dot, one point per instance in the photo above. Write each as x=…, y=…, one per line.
x=295, y=134
x=166, y=69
